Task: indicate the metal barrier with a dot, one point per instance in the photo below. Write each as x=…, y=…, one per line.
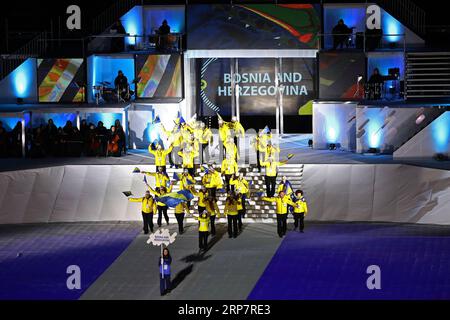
x=362, y=41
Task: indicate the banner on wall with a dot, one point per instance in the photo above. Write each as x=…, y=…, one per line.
x=61, y=80
x=253, y=26
x=159, y=76
x=256, y=85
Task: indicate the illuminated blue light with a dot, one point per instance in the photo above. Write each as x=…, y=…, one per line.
x=390, y=25
x=374, y=134
x=108, y=119
x=22, y=78
x=441, y=133
x=10, y=122
x=155, y=15
x=59, y=119
x=105, y=68
x=132, y=22
x=386, y=61
x=332, y=128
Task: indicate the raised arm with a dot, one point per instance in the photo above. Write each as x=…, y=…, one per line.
x=135, y=199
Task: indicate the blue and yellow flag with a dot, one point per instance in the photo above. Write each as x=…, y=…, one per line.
x=136, y=170
x=175, y=177
x=175, y=198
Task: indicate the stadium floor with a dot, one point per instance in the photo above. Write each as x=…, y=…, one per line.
x=328, y=261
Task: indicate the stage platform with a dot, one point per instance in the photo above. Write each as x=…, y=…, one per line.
x=328, y=261
x=296, y=144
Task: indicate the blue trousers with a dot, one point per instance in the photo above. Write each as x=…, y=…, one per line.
x=164, y=283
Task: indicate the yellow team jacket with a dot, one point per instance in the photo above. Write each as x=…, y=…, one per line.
x=181, y=208
x=174, y=136
x=161, y=179
x=184, y=178
x=212, y=180
x=271, y=168
x=281, y=187
x=188, y=158
x=203, y=223
x=201, y=197
x=158, y=194
x=224, y=132
x=237, y=128
x=282, y=203
x=148, y=205
x=231, y=207
x=270, y=151
x=160, y=155
x=229, y=166
x=205, y=136
x=240, y=185
x=231, y=149
x=302, y=207
x=212, y=209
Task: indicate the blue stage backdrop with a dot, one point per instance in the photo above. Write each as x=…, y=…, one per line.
x=103, y=68
x=256, y=85
x=253, y=26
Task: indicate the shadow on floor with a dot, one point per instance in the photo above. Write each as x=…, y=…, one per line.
x=182, y=275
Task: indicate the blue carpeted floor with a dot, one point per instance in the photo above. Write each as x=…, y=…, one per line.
x=34, y=259
x=329, y=261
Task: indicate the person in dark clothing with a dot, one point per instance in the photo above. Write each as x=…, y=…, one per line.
x=121, y=85
x=163, y=34
x=340, y=35
x=121, y=81
x=121, y=132
x=376, y=81
x=118, y=42
x=102, y=136
x=164, y=272
x=50, y=134
x=16, y=140
x=4, y=141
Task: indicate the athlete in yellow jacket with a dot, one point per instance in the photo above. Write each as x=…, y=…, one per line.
x=180, y=210
x=160, y=155
x=162, y=208
x=188, y=157
x=300, y=211
x=212, y=181
x=161, y=177
x=232, y=212
x=229, y=169
x=282, y=201
x=203, y=230
x=148, y=208
x=271, y=172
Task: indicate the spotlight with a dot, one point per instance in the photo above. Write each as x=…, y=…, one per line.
x=372, y=152
x=310, y=143
x=440, y=157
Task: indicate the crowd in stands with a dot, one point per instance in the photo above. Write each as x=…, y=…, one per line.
x=68, y=141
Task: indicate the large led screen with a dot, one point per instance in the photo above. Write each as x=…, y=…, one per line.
x=61, y=80
x=159, y=76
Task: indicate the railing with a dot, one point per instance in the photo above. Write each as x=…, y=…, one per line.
x=406, y=11
x=36, y=47
x=362, y=41
x=105, y=42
